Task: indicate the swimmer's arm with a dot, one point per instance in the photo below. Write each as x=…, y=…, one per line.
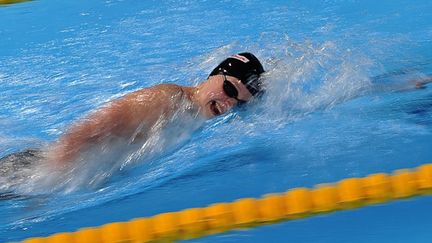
x=119, y=118
x=409, y=85
x=414, y=84
x=420, y=83
x=87, y=131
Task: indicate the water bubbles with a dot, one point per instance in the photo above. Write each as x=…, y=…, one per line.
x=301, y=76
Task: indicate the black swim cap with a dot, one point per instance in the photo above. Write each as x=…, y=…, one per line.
x=244, y=66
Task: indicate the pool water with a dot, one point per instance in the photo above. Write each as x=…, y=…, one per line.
x=340, y=103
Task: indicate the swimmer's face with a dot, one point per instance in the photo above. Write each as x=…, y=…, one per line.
x=220, y=93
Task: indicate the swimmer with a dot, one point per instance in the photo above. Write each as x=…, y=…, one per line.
x=130, y=119
x=235, y=81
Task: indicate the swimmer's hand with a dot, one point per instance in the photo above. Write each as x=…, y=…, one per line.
x=421, y=83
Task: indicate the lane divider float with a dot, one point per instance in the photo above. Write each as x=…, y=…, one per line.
x=4, y=2
x=250, y=212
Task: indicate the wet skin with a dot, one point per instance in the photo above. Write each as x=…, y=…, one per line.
x=135, y=113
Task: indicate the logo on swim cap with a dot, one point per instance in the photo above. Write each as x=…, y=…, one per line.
x=240, y=58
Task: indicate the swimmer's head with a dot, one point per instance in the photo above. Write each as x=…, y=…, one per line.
x=236, y=80
x=244, y=66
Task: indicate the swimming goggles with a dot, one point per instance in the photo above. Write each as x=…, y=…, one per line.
x=231, y=91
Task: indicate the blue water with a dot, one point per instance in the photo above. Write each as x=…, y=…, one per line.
x=334, y=108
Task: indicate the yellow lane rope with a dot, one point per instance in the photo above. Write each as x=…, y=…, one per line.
x=12, y=1
x=249, y=212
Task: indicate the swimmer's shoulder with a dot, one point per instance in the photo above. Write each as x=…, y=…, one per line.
x=172, y=91
x=157, y=94
x=169, y=88
x=158, y=90
x=174, y=95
